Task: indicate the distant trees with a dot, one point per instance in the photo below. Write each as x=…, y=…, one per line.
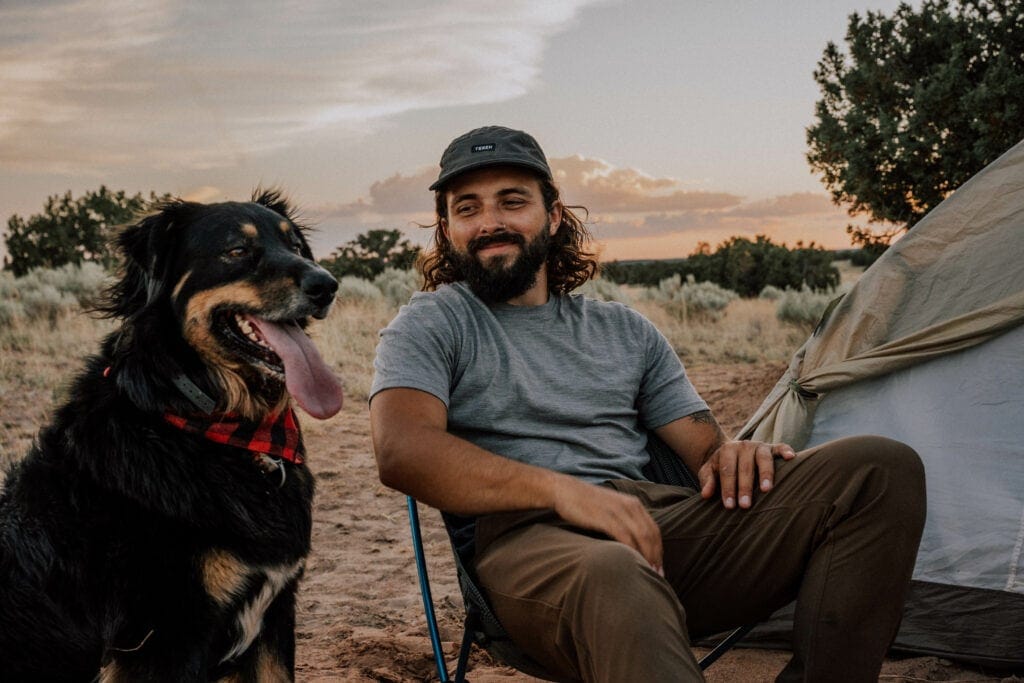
x=70, y=230
x=739, y=264
x=370, y=253
x=921, y=101
x=644, y=273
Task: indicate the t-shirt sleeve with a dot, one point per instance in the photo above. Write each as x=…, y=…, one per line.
x=416, y=351
x=666, y=393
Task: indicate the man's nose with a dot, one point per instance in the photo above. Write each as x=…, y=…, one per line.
x=490, y=221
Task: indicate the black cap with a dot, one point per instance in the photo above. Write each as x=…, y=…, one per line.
x=491, y=146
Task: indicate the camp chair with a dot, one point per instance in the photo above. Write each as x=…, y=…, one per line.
x=483, y=628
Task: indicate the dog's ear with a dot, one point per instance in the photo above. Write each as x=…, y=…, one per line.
x=147, y=250
x=274, y=199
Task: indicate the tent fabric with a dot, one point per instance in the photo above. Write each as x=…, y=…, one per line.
x=955, y=280
x=962, y=414
x=928, y=348
x=977, y=626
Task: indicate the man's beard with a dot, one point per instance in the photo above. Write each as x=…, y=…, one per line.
x=498, y=282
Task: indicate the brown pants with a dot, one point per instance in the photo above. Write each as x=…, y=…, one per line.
x=838, y=533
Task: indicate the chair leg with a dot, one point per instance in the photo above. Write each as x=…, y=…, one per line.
x=428, y=600
x=467, y=645
x=724, y=646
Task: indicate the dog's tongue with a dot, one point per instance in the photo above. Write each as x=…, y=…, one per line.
x=307, y=377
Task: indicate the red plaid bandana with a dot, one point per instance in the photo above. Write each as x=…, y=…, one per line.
x=277, y=436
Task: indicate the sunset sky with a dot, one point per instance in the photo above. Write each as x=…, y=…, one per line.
x=673, y=122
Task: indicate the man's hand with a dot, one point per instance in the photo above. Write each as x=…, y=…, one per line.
x=467, y=480
x=736, y=464
x=621, y=516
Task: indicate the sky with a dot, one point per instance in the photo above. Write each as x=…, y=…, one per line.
x=674, y=122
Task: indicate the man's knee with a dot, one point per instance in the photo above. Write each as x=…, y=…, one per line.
x=617, y=595
x=885, y=470
x=612, y=576
x=607, y=564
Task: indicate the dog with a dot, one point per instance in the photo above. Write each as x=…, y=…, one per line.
x=158, y=527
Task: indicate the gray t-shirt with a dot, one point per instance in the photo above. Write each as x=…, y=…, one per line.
x=572, y=385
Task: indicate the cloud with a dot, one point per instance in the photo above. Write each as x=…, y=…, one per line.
x=172, y=84
x=797, y=204
x=625, y=206
x=205, y=194
x=588, y=182
x=396, y=195
x=598, y=185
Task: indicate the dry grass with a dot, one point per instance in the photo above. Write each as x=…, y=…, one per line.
x=38, y=358
x=37, y=362
x=748, y=331
x=348, y=339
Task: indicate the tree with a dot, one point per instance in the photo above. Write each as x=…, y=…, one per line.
x=70, y=230
x=748, y=266
x=923, y=101
x=369, y=254
x=739, y=264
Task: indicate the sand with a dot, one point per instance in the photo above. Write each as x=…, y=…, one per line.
x=360, y=617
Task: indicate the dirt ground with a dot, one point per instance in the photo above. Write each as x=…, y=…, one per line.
x=360, y=616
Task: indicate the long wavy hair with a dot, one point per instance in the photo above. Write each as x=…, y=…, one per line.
x=570, y=261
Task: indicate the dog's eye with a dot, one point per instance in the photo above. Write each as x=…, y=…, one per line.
x=237, y=252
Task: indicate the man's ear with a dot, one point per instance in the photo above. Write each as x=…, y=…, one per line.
x=443, y=224
x=555, y=217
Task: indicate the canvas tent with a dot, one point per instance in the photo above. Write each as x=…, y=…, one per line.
x=928, y=348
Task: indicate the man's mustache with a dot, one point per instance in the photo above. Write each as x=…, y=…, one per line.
x=484, y=241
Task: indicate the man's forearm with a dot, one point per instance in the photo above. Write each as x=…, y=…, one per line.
x=694, y=438
x=705, y=417
x=418, y=456
x=452, y=474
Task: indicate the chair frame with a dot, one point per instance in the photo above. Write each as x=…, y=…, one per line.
x=482, y=627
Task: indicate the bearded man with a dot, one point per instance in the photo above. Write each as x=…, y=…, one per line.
x=500, y=396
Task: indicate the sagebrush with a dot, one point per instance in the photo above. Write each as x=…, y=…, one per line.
x=45, y=331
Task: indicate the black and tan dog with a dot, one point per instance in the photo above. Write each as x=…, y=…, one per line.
x=158, y=529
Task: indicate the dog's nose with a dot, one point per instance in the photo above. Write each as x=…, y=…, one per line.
x=319, y=286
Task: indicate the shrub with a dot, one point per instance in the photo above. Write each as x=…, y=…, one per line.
x=803, y=307
x=8, y=286
x=604, y=290
x=397, y=285
x=47, y=302
x=352, y=288
x=688, y=298
x=771, y=293
x=81, y=282
x=11, y=311
x=48, y=293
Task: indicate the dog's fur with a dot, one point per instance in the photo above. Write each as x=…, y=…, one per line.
x=130, y=549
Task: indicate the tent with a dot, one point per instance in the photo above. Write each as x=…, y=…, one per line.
x=928, y=348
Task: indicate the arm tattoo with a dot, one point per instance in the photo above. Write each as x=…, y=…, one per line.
x=705, y=417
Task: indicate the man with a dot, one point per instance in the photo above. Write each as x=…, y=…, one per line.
x=501, y=397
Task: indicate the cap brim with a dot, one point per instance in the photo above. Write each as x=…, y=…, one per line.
x=444, y=178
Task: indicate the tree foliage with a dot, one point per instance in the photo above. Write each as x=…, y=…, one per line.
x=748, y=266
x=739, y=264
x=70, y=230
x=922, y=101
x=370, y=253
x=644, y=273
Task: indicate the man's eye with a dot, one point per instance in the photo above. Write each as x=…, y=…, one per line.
x=463, y=210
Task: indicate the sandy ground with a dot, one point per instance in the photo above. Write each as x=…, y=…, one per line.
x=360, y=616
